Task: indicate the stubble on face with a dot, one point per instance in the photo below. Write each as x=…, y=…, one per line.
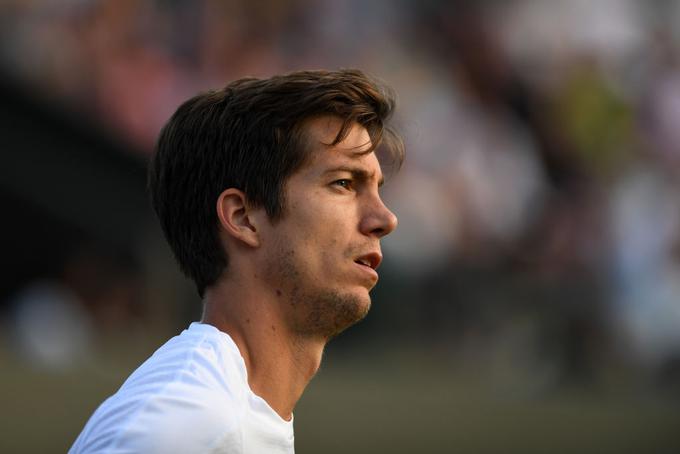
x=315, y=311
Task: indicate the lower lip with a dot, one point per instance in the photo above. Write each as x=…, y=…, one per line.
x=368, y=270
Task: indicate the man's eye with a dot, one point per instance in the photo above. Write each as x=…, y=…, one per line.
x=345, y=183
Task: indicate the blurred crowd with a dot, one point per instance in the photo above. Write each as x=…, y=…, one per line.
x=538, y=205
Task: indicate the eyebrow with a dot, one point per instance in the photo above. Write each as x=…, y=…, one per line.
x=357, y=173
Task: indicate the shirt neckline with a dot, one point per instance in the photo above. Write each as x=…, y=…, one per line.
x=226, y=338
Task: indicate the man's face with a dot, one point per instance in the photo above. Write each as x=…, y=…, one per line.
x=322, y=254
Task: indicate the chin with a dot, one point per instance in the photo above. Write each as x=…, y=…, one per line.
x=329, y=313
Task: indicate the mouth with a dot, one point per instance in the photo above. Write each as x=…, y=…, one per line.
x=371, y=260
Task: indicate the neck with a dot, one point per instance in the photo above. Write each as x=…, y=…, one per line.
x=280, y=363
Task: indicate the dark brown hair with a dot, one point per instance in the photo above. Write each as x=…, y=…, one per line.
x=250, y=136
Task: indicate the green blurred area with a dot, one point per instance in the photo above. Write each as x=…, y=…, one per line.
x=403, y=401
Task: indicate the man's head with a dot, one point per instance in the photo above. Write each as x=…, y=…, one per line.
x=253, y=136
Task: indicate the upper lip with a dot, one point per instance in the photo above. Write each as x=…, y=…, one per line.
x=371, y=259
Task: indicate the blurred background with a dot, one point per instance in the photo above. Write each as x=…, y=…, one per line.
x=530, y=299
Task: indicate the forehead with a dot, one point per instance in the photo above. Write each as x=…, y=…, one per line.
x=354, y=148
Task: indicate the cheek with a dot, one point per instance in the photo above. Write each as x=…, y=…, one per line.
x=321, y=226
x=322, y=252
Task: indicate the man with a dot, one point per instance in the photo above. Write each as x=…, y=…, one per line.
x=267, y=192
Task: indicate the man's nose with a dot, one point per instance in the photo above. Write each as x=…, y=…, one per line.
x=378, y=220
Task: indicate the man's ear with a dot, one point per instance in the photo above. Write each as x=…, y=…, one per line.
x=236, y=217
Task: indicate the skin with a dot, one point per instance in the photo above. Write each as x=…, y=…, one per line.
x=295, y=283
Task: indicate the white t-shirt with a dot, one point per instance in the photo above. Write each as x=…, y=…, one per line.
x=191, y=396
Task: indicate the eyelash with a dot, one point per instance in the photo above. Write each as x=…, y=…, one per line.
x=348, y=183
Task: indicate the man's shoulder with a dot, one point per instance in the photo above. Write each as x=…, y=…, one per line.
x=183, y=419
x=200, y=357
x=190, y=393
